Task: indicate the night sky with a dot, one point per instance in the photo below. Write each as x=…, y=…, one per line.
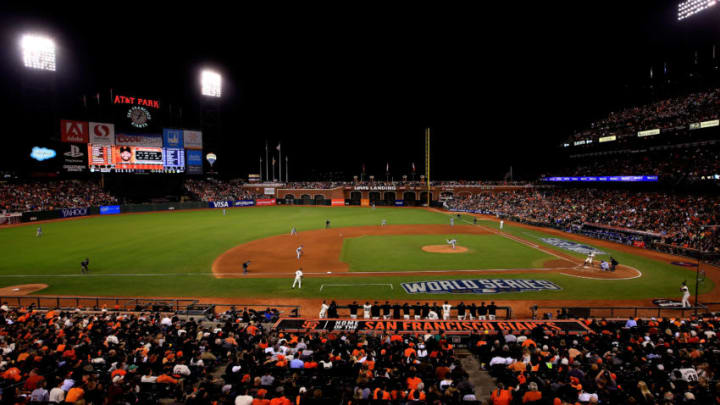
x=498, y=85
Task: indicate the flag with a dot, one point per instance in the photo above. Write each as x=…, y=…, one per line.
x=273, y=162
x=413, y=166
x=363, y=167
x=278, y=147
x=664, y=68
x=387, y=167
x=651, y=72
x=97, y=97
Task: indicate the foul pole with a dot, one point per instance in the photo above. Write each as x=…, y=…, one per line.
x=427, y=163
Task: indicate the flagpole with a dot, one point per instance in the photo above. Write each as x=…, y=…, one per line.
x=280, y=161
x=273, y=169
x=267, y=160
x=261, y=172
x=287, y=178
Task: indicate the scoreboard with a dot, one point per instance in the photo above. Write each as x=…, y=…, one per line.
x=135, y=159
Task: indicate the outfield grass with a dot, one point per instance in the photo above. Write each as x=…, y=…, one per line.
x=172, y=252
x=404, y=252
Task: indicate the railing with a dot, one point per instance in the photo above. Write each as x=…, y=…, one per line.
x=125, y=304
x=617, y=312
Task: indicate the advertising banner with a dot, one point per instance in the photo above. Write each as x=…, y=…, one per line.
x=269, y=191
x=109, y=210
x=137, y=158
x=152, y=141
x=194, y=162
x=338, y=202
x=220, y=204
x=365, y=202
x=102, y=134
x=74, y=131
x=174, y=159
x=192, y=139
x=244, y=203
x=74, y=158
x=649, y=132
x=603, y=178
x=73, y=212
x=173, y=138
x=428, y=326
x=265, y=201
x=399, y=203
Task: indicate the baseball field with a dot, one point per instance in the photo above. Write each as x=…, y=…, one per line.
x=200, y=254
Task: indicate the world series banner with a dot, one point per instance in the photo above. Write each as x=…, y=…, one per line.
x=428, y=326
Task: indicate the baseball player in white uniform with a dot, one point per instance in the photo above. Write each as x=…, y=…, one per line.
x=299, y=251
x=685, y=296
x=452, y=221
x=293, y=231
x=366, y=310
x=224, y=211
x=446, y=311
x=323, y=310
x=298, y=278
x=589, y=259
x=451, y=242
x=501, y=224
x=383, y=222
x=38, y=232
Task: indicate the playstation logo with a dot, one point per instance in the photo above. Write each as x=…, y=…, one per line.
x=74, y=152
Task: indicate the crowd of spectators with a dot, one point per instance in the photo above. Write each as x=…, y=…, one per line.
x=218, y=190
x=397, y=183
x=689, y=164
x=656, y=361
x=669, y=113
x=109, y=357
x=51, y=195
x=686, y=220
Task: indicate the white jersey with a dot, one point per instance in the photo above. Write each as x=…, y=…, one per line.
x=452, y=221
x=501, y=224
x=298, y=274
x=446, y=310
x=366, y=310
x=323, y=310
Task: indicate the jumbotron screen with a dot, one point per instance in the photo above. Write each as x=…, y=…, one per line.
x=135, y=159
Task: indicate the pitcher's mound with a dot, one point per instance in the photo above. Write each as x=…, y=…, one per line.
x=444, y=249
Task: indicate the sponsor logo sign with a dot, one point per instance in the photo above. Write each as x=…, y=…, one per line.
x=39, y=153
x=220, y=204
x=478, y=286
x=265, y=201
x=711, y=123
x=571, y=246
x=173, y=138
x=192, y=139
x=194, y=161
x=73, y=212
x=75, y=159
x=428, y=326
x=244, y=203
x=337, y=202
x=399, y=203
x=269, y=191
x=109, y=209
x=608, y=138
x=649, y=132
x=663, y=303
x=74, y=131
x=139, y=117
x=375, y=188
x=152, y=141
x=103, y=134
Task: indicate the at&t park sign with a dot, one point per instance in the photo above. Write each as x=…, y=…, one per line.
x=144, y=102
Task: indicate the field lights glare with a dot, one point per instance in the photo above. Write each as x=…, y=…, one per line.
x=211, y=83
x=38, y=52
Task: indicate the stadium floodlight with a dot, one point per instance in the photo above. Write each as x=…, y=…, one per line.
x=38, y=52
x=689, y=8
x=211, y=83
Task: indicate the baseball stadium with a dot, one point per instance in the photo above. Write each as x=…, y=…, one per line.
x=267, y=236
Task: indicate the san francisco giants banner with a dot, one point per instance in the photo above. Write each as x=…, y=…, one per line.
x=428, y=326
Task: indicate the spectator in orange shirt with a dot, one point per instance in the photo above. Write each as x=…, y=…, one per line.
x=533, y=395
x=501, y=396
x=75, y=394
x=413, y=381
